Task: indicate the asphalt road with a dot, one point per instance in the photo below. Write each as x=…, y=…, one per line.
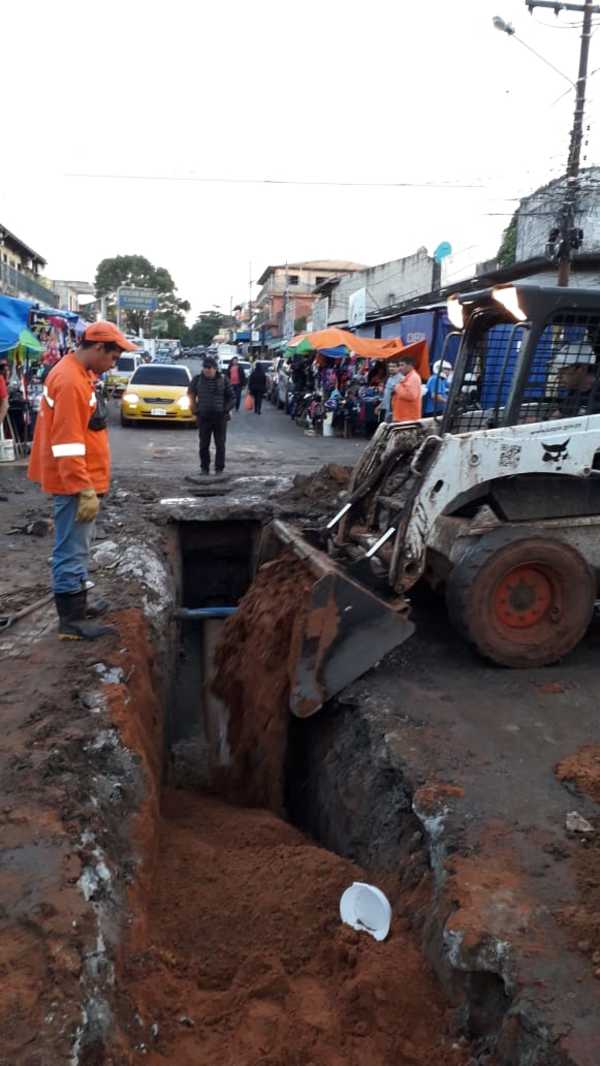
x=270, y=444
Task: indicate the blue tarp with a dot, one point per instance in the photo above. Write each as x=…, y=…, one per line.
x=334, y=353
x=14, y=317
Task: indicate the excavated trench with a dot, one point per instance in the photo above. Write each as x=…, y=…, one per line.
x=239, y=955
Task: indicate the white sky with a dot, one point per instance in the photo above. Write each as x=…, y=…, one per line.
x=332, y=90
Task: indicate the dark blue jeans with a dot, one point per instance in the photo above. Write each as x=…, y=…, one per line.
x=72, y=543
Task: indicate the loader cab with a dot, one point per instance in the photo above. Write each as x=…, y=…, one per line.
x=528, y=354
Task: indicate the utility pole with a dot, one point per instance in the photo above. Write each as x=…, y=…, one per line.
x=566, y=235
x=250, y=308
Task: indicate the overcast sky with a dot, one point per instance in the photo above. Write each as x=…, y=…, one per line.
x=323, y=90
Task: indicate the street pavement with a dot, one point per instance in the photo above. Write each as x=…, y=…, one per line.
x=270, y=443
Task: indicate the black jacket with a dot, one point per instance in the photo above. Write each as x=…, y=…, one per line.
x=242, y=373
x=257, y=381
x=211, y=396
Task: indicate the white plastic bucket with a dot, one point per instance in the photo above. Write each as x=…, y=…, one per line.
x=7, y=451
x=364, y=907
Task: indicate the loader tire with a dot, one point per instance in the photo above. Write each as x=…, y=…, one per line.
x=524, y=603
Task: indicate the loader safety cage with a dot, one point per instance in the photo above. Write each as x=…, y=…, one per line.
x=512, y=372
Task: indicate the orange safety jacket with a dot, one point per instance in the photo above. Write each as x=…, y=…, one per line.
x=407, y=399
x=66, y=455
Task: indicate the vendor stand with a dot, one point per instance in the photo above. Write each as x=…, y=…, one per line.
x=338, y=379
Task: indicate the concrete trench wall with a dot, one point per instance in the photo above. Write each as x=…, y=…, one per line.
x=351, y=792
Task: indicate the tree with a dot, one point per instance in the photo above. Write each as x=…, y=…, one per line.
x=139, y=272
x=507, y=252
x=206, y=326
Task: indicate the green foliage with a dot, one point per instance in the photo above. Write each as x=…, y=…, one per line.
x=507, y=252
x=139, y=272
x=300, y=324
x=206, y=326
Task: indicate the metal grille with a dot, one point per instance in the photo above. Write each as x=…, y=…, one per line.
x=491, y=357
x=564, y=374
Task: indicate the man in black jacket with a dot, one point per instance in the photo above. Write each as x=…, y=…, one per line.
x=212, y=399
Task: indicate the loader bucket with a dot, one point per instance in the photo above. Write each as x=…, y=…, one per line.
x=341, y=631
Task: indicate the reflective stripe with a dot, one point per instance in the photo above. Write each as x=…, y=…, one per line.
x=63, y=451
x=48, y=398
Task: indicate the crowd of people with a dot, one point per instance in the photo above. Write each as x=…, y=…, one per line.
x=352, y=396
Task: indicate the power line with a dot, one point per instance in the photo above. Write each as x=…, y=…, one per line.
x=275, y=181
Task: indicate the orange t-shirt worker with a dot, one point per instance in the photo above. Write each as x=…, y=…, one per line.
x=407, y=396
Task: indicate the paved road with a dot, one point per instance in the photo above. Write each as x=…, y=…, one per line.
x=270, y=443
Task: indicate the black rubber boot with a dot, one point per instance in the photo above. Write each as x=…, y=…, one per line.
x=97, y=608
x=72, y=623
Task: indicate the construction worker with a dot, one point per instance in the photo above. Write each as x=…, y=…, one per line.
x=407, y=394
x=70, y=459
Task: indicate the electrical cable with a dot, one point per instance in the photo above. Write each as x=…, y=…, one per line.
x=274, y=181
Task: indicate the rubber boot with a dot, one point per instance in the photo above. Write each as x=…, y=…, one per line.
x=96, y=609
x=72, y=623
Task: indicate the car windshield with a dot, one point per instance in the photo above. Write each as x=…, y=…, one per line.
x=126, y=362
x=160, y=375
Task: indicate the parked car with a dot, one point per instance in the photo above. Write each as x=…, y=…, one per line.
x=158, y=392
x=117, y=379
x=284, y=385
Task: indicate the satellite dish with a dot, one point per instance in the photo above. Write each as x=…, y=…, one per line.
x=442, y=251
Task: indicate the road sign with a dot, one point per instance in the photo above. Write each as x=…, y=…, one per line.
x=132, y=299
x=357, y=307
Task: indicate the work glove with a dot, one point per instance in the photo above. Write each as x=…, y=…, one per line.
x=88, y=506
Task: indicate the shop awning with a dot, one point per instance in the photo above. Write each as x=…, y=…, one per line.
x=14, y=318
x=341, y=340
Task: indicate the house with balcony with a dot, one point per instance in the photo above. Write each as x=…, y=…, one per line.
x=20, y=271
x=285, y=301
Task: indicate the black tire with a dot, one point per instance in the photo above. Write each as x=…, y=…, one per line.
x=533, y=621
x=125, y=422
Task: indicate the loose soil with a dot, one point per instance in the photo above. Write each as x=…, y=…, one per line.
x=248, y=962
x=581, y=771
x=320, y=490
x=253, y=678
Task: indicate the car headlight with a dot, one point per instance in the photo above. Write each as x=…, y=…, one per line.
x=184, y=403
x=131, y=398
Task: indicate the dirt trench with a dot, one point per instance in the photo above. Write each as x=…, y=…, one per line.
x=236, y=953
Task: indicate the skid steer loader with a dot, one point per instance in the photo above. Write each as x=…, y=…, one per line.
x=496, y=503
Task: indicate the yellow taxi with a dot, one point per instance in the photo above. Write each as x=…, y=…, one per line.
x=157, y=392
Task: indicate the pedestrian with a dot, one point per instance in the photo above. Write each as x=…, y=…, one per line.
x=237, y=379
x=212, y=400
x=257, y=386
x=393, y=379
x=407, y=394
x=70, y=458
x=436, y=391
x=3, y=393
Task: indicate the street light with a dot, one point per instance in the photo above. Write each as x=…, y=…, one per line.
x=506, y=27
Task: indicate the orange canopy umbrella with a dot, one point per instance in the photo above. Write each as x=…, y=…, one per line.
x=366, y=347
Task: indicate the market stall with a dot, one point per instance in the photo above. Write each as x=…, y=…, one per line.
x=338, y=379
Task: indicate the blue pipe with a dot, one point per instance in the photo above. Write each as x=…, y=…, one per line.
x=204, y=612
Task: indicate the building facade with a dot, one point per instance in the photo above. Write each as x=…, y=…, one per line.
x=285, y=301
x=356, y=297
x=20, y=271
x=539, y=213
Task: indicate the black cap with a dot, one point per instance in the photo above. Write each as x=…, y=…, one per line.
x=208, y=361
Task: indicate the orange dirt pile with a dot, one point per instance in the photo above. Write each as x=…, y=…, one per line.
x=583, y=769
x=583, y=918
x=248, y=961
x=252, y=679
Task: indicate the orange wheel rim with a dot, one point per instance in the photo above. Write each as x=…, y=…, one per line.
x=524, y=596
